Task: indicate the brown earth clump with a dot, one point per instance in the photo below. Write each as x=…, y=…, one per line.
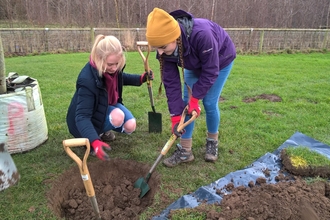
x=308, y=171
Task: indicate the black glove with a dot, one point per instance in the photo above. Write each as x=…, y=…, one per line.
x=176, y=132
x=147, y=75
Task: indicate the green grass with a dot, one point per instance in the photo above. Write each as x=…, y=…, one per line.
x=307, y=156
x=247, y=131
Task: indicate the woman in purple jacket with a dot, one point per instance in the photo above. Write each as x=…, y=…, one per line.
x=205, y=53
x=96, y=106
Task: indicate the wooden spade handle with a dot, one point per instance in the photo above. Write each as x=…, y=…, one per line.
x=145, y=59
x=181, y=126
x=82, y=164
x=147, y=69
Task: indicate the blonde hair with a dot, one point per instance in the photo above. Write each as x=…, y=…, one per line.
x=103, y=47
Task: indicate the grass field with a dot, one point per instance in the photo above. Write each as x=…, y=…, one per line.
x=247, y=131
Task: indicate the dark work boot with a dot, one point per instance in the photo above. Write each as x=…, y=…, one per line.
x=108, y=136
x=180, y=155
x=211, y=151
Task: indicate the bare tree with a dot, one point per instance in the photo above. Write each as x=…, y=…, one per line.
x=212, y=11
x=328, y=16
x=117, y=13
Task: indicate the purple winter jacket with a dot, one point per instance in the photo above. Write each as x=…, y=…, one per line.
x=207, y=48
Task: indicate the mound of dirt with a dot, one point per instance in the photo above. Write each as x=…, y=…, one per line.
x=294, y=200
x=290, y=198
x=113, y=183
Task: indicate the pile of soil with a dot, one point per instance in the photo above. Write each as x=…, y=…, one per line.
x=290, y=198
x=115, y=194
x=295, y=200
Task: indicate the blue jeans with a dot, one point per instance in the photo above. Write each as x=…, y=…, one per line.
x=210, y=101
x=108, y=126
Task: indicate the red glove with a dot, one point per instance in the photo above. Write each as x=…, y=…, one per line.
x=175, y=122
x=193, y=105
x=98, y=148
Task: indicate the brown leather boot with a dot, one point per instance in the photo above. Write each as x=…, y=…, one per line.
x=180, y=155
x=211, y=152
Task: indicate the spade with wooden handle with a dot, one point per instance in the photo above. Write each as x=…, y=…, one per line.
x=154, y=118
x=82, y=164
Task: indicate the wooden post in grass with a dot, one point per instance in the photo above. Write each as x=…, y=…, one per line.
x=261, y=42
x=3, y=87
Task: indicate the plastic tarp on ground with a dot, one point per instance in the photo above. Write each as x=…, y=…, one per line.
x=269, y=161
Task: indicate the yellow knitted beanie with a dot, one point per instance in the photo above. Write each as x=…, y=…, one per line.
x=162, y=28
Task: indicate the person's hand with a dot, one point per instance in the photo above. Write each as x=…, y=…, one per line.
x=98, y=148
x=194, y=106
x=145, y=76
x=175, y=123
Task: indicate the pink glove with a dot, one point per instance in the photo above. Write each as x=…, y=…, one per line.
x=175, y=122
x=193, y=105
x=98, y=148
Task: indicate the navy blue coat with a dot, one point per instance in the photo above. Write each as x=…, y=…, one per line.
x=87, y=111
x=207, y=48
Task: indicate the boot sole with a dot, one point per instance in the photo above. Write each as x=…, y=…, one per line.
x=183, y=161
x=211, y=159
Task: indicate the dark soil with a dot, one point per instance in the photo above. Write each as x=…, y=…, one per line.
x=295, y=200
x=113, y=182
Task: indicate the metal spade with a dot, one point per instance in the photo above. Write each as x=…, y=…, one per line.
x=154, y=118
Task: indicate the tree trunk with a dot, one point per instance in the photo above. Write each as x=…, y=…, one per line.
x=3, y=87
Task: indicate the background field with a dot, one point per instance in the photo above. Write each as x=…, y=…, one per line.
x=247, y=131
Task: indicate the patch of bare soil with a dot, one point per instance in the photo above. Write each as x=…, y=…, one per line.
x=270, y=97
x=113, y=183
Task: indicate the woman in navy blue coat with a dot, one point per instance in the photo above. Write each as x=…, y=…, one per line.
x=205, y=53
x=96, y=106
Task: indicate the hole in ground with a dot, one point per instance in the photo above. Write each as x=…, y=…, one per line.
x=113, y=182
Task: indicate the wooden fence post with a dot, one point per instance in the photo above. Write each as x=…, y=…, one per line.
x=325, y=40
x=92, y=36
x=46, y=39
x=261, y=42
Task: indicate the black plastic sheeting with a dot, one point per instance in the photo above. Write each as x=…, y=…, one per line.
x=269, y=161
